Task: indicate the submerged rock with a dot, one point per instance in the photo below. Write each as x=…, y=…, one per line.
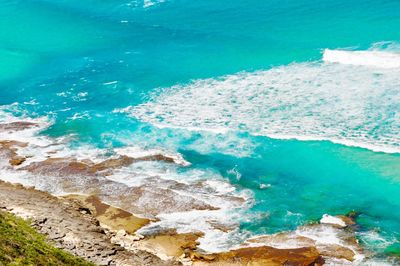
x=153, y=200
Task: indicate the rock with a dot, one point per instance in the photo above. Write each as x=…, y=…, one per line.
x=153, y=200
x=68, y=228
x=222, y=227
x=17, y=160
x=261, y=256
x=8, y=149
x=283, y=240
x=59, y=167
x=115, y=218
x=349, y=220
x=337, y=221
x=169, y=244
x=17, y=126
x=120, y=233
x=337, y=251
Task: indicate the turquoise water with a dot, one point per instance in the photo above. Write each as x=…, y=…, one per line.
x=81, y=62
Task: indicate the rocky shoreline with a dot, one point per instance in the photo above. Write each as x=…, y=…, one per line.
x=70, y=227
x=105, y=235
x=88, y=227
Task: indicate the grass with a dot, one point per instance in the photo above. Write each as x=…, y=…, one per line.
x=20, y=244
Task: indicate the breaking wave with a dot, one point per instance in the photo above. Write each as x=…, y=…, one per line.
x=379, y=59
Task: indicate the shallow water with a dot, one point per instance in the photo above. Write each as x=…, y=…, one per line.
x=245, y=91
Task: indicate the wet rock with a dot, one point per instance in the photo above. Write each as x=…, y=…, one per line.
x=169, y=244
x=336, y=251
x=331, y=238
x=59, y=167
x=153, y=200
x=261, y=256
x=222, y=227
x=17, y=126
x=71, y=166
x=113, y=217
x=17, y=160
x=8, y=150
x=339, y=220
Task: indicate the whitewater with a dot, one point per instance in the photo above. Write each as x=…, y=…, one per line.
x=350, y=98
x=254, y=117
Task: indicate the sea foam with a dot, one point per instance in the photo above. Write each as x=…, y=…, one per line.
x=346, y=104
x=379, y=59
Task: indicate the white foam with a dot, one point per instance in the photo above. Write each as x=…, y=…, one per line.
x=149, y=3
x=137, y=152
x=346, y=104
x=329, y=235
x=379, y=59
x=114, y=81
x=328, y=219
x=214, y=240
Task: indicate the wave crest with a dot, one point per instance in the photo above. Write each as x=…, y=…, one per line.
x=379, y=59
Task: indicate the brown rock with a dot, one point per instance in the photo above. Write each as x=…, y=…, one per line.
x=60, y=167
x=16, y=126
x=115, y=218
x=284, y=238
x=170, y=243
x=8, y=149
x=337, y=251
x=152, y=200
x=221, y=227
x=17, y=160
x=347, y=219
x=69, y=229
x=261, y=256
x=70, y=166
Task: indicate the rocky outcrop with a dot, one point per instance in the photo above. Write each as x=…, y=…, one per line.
x=8, y=150
x=46, y=157
x=69, y=227
x=333, y=238
x=153, y=200
x=109, y=216
x=71, y=166
x=167, y=244
x=261, y=256
x=17, y=126
x=89, y=228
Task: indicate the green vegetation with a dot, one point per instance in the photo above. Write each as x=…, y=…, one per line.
x=20, y=244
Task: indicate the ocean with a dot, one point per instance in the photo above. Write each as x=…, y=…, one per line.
x=276, y=112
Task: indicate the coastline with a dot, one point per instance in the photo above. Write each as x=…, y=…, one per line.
x=91, y=228
x=200, y=133
x=103, y=234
